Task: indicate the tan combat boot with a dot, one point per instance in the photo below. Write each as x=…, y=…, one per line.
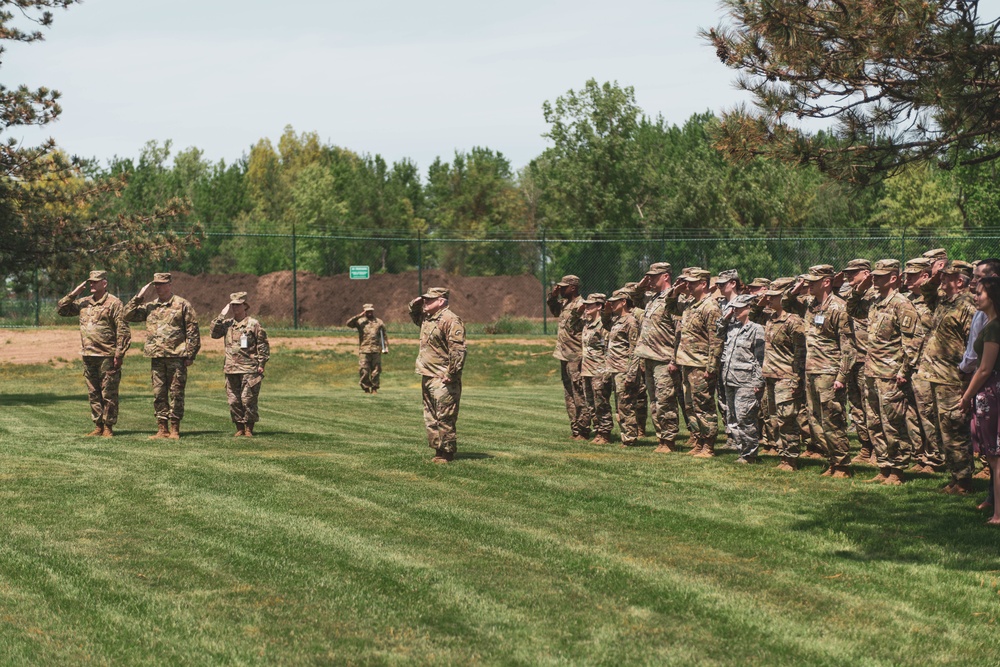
x=842, y=472
x=788, y=464
x=248, y=431
x=695, y=444
x=600, y=440
x=864, y=457
x=108, y=432
x=883, y=474
x=665, y=447
x=895, y=477
x=98, y=430
x=442, y=456
x=175, y=430
x=161, y=430
x=240, y=431
x=707, y=450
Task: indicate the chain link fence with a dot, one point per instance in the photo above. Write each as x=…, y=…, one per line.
x=498, y=284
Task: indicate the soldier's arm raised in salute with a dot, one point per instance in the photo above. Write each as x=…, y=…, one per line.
x=221, y=323
x=135, y=309
x=67, y=306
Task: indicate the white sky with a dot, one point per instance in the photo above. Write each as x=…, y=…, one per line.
x=403, y=79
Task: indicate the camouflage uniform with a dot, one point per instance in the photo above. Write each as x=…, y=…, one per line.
x=172, y=338
x=891, y=353
x=597, y=382
x=742, y=360
x=568, y=352
x=371, y=340
x=924, y=449
x=623, y=366
x=944, y=424
x=858, y=310
x=783, y=369
x=441, y=355
x=655, y=345
x=829, y=358
x=247, y=350
x=104, y=336
x=698, y=351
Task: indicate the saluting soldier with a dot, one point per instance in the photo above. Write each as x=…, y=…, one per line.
x=727, y=287
x=829, y=358
x=247, y=351
x=742, y=377
x=372, y=344
x=855, y=274
x=565, y=302
x=784, y=370
x=172, y=344
x=941, y=380
x=890, y=361
x=638, y=298
x=623, y=365
x=698, y=351
x=597, y=384
x=104, y=338
x=922, y=291
x=440, y=362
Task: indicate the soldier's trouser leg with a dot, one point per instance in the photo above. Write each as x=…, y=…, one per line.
x=598, y=391
x=576, y=401
x=642, y=399
x=856, y=397
x=102, y=388
x=785, y=403
x=169, y=378
x=699, y=403
x=663, y=399
x=441, y=402
x=375, y=374
x=828, y=417
x=625, y=396
x=929, y=451
x=956, y=440
x=242, y=391
x=742, y=412
x=768, y=437
x=911, y=437
x=368, y=370
x=888, y=410
x=720, y=404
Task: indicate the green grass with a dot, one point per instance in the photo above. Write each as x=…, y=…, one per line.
x=331, y=538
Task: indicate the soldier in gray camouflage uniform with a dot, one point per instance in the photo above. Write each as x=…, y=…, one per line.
x=247, y=351
x=372, y=344
x=440, y=362
x=565, y=302
x=172, y=343
x=104, y=338
x=727, y=287
x=741, y=374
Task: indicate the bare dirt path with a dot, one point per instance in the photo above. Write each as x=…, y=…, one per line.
x=41, y=346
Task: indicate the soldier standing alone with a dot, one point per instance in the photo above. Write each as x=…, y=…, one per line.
x=372, y=344
x=105, y=338
x=247, y=351
x=440, y=362
x=172, y=343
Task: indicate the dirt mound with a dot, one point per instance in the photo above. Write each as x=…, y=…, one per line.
x=331, y=300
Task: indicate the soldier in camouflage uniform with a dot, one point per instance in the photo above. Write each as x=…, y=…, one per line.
x=784, y=370
x=856, y=274
x=622, y=364
x=564, y=302
x=655, y=347
x=829, y=358
x=727, y=287
x=922, y=291
x=638, y=297
x=698, y=352
x=372, y=344
x=440, y=362
x=937, y=370
x=890, y=361
x=597, y=382
x=759, y=314
x=105, y=338
x=172, y=343
x=247, y=351
x=742, y=377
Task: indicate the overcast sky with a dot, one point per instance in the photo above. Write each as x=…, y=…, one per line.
x=403, y=79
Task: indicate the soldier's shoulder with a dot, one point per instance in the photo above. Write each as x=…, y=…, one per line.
x=899, y=300
x=837, y=303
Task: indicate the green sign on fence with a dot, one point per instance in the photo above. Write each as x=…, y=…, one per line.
x=359, y=273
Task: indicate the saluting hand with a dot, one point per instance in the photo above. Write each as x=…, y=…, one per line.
x=145, y=289
x=225, y=312
x=79, y=288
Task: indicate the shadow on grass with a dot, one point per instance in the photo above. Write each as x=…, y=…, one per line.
x=472, y=455
x=37, y=399
x=908, y=525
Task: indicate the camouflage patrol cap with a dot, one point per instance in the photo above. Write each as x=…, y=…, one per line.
x=367, y=306
x=96, y=276
x=885, y=267
x=818, y=272
x=239, y=298
x=742, y=301
x=760, y=282
x=595, y=297
x=957, y=266
x=435, y=293
x=727, y=275
x=778, y=286
x=936, y=254
x=568, y=280
x=858, y=265
x=620, y=294
x=918, y=265
x=658, y=268
x=694, y=274
x=160, y=278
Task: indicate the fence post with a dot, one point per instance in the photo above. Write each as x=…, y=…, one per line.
x=295, y=283
x=902, y=247
x=545, y=283
x=38, y=300
x=420, y=262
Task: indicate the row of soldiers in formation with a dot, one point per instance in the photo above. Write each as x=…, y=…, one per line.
x=792, y=359
x=173, y=341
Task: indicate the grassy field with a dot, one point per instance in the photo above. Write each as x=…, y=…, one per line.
x=331, y=538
